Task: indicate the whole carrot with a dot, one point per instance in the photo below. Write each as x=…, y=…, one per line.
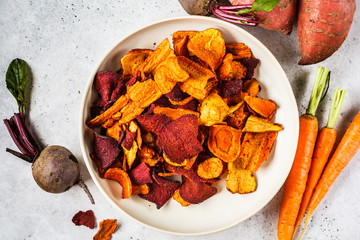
x=345, y=151
x=296, y=182
x=323, y=147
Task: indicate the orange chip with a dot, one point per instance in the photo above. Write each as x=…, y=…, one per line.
x=224, y=142
x=240, y=50
x=210, y=168
x=255, y=149
x=117, y=106
x=115, y=131
x=174, y=113
x=209, y=46
x=132, y=60
x=140, y=189
x=107, y=228
x=144, y=93
x=240, y=180
x=213, y=110
x=259, y=125
x=238, y=118
x=179, y=199
x=180, y=40
x=130, y=111
x=156, y=59
x=119, y=175
x=168, y=74
x=198, y=84
x=231, y=69
x=263, y=107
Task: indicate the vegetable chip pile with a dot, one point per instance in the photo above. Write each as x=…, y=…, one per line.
x=191, y=110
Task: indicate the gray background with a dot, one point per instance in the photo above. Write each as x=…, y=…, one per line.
x=62, y=41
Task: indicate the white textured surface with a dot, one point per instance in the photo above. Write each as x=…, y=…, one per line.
x=62, y=41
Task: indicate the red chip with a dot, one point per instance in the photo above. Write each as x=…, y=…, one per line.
x=178, y=139
x=230, y=88
x=106, y=149
x=250, y=64
x=161, y=190
x=141, y=174
x=84, y=218
x=195, y=192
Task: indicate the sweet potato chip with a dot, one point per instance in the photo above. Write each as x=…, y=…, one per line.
x=105, y=149
x=129, y=112
x=140, y=189
x=255, y=149
x=132, y=60
x=174, y=114
x=224, y=142
x=210, y=168
x=130, y=154
x=259, y=125
x=144, y=93
x=240, y=180
x=122, y=178
x=238, y=118
x=213, y=110
x=156, y=59
x=209, y=46
x=161, y=190
x=251, y=87
x=240, y=50
x=230, y=69
x=263, y=107
x=115, y=131
x=107, y=228
x=180, y=40
x=178, y=198
x=117, y=106
x=198, y=84
x=165, y=83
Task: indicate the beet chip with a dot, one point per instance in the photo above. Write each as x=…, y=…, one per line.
x=230, y=88
x=128, y=139
x=105, y=149
x=110, y=87
x=84, y=218
x=153, y=123
x=161, y=190
x=177, y=94
x=178, y=139
x=141, y=174
x=195, y=192
x=250, y=64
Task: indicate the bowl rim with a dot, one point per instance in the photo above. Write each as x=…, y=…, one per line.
x=82, y=124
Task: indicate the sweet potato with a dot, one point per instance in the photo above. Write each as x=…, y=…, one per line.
x=281, y=18
x=323, y=26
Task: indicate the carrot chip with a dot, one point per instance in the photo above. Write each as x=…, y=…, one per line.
x=107, y=228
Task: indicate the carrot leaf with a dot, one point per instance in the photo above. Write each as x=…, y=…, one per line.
x=319, y=90
x=335, y=107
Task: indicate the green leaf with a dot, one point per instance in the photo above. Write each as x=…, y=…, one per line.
x=16, y=81
x=260, y=5
x=264, y=5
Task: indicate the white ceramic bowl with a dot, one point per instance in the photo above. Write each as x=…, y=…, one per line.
x=223, y=210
